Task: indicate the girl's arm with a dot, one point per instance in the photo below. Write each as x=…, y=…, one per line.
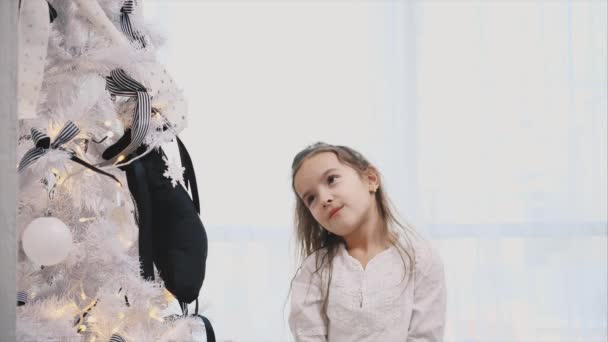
x=306, y=320
x=428, y=313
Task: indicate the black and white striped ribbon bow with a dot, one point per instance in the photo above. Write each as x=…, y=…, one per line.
x=125, y=24
x=120, y=84
x=43, y=145
x=116, y=338
x=22, y=298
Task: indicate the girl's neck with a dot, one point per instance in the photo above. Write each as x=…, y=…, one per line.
x=370, y=237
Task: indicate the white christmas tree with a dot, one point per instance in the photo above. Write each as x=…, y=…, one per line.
x=78, y=264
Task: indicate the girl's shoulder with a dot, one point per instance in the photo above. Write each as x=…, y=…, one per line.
x=314, y=262
x=426, y=256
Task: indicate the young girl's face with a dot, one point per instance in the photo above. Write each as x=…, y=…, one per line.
x=337, y=196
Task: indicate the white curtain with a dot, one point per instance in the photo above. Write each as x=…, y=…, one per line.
x=488, y=120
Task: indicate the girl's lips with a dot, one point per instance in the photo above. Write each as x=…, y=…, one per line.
x=334, y=211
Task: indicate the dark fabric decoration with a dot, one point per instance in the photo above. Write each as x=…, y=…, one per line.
x=171, y=234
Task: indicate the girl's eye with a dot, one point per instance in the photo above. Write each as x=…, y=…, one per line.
x=309, y=199
x=331, y=179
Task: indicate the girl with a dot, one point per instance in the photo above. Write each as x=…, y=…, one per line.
x=365, y=276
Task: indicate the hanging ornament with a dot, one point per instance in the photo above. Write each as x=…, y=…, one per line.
x=47, y=241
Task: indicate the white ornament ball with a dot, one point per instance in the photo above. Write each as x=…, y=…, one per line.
x=47, y=241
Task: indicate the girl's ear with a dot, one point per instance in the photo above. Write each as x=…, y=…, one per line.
x=373, y=179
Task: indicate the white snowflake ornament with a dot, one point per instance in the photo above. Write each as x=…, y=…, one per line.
x=175, y=171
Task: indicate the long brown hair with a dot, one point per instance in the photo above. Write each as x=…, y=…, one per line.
x=310, y=235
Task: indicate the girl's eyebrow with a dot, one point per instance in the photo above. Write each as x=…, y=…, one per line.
x=320, y=179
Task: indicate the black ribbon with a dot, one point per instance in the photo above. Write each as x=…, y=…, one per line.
x=125, y=24
x=120, y=84
x=208, y=327
x=210, y=334
x=189, y=176
x=43, y=145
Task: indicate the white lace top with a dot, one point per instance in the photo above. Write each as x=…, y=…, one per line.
x=372, y=304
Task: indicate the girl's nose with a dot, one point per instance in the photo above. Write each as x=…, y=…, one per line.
x=325, y=196
x=327, y=201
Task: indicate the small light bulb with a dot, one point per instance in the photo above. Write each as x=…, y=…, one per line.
x=153, y=314
x=108, y=123
x=168, y=296
x=120, y=158
x=82, y=328
x=121, y=315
